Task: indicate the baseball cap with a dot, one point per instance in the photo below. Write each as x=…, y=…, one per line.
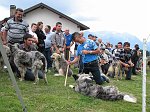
x=95, y=36
x=90, y=35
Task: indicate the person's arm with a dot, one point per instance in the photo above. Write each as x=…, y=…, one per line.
x=94, y=51
x=1, y=33
x=35, y=40
x=56, y=48
x=97, y=51
x=4, y=37
x=64, y=44
x=130, y=62
x=124, y=64
x=27, y=28
x=64, y=47
x=74, y=61
x=71, y=43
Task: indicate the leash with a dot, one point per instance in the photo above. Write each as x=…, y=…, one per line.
x=3, y=52
x=67, y=71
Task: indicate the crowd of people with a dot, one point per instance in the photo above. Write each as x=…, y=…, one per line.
x=91, y=52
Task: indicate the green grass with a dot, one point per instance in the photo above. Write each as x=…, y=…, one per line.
x=54, y=97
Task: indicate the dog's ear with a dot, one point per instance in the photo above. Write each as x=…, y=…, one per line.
x=17, y=45
x=59, y=56
x=75, y=77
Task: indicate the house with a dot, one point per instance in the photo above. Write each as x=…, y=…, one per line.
x=49, y=16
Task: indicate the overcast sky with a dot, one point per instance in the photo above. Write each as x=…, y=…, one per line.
x=132, y=16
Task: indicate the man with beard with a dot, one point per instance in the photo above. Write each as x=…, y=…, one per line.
x=125, y=60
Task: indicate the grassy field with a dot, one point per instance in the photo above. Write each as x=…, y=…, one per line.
x=54, y=97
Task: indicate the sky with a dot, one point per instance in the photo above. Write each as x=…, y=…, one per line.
x=122, y=16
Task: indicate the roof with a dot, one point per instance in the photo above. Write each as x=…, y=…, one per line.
x=42, y=5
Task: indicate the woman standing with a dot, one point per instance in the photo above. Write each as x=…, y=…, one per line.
x=41, y=36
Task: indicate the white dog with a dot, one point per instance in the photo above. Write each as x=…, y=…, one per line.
x=61, y=65
x=33, y=59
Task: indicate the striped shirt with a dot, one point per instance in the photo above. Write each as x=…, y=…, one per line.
x=123, y=55
x=16, y=30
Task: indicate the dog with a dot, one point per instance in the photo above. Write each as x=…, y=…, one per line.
x=85, y=86
x=115, y=70
x=60, y=64
x=33, y=59
x=7, y=50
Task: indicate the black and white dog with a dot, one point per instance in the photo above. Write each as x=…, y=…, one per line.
x=85, y=86
x=33, y=60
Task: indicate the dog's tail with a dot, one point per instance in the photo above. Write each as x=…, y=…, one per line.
x=44, y=63
x=43, y=59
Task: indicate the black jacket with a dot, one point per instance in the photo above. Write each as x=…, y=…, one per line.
x=41, y=36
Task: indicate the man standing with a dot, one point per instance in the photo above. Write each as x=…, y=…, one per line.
x=88, y=50
x=32, y=32
x=94, y=38
x=90, y=36
x=68, y=37
x=15, y=29
x=48, y=49
x=58, y=39
x=101, y=44
x=135, y=58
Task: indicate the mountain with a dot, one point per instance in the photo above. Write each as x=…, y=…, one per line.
x=114, y=38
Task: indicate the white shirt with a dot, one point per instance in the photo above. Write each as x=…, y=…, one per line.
x=2, y=29
x=33, y=34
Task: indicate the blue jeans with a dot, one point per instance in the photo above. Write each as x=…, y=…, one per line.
x=128, y=73
x=30, y=76
x=47, y=54
x=94, y=69
x=80, y=65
